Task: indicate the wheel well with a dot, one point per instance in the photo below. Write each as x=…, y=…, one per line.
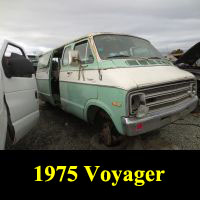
x=99, y=117
x=95, y=111
x=91, y=113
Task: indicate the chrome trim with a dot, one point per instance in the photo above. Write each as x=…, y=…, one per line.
x=168, y=100
x=164, y=94
x=132, y=95
x=158, y=119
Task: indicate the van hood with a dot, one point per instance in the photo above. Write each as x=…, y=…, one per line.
x=190, y=56
x=140, y=77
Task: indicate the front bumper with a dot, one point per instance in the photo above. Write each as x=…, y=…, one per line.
x=133, y=126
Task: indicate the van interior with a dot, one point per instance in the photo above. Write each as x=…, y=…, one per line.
x=55, y=70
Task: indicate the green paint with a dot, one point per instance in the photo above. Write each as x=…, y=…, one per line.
x=74, y=97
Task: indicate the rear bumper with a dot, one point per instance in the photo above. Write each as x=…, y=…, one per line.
x=156, y=120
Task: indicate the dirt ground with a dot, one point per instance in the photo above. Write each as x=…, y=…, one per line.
x=60, y=130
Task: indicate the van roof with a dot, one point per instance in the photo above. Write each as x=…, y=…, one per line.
x=91, y=35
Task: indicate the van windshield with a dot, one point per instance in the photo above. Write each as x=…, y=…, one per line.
x=122, y=46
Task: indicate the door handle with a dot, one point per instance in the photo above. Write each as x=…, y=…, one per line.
x=69, y=73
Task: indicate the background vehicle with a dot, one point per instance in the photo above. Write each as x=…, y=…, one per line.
x=119, y=82
x=19, y=106
x=190, y=61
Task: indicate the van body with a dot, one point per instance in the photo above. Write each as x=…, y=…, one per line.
x=122, y=76
x=19, y=104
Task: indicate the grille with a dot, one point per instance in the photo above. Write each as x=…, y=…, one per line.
x=167, y=95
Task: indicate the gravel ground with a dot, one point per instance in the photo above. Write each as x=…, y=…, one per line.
x=60, y=130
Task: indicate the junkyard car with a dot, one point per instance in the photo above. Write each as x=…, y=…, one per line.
x=19, y=106
x=190, y=61
x=119, y=82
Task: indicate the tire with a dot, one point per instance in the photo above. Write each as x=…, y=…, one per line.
x=108, y=135
x=96, y=145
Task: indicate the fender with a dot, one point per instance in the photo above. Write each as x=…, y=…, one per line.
x=103, y=106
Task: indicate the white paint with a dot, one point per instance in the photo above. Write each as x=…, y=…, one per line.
x=19, y=93
x=130, y=78
x=3, y=116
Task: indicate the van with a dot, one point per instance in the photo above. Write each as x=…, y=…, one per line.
x=117, y=81
x=19, y=104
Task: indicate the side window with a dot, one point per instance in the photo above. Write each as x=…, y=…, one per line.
x=66, y=56
x=44, y=60
x=15, y=63
x=85, y=52
x=12, y=51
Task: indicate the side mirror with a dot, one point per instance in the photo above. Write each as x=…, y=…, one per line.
x=74, y=58
x=20, y=67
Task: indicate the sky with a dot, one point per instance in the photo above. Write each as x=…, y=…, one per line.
x=40, y=25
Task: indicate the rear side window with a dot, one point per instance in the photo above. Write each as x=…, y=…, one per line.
x=44, y=60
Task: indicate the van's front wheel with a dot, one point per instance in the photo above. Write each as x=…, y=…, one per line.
x=108, y=134
x=105, y=134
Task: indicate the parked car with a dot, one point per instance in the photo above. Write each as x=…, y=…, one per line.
x=190, y=61
x=19, y=105
x=117, y=81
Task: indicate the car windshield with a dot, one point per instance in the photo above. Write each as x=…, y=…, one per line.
x=122, y=46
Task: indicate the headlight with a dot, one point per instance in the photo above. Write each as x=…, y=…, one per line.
x=138, y=105
x=142, y=111
x=193, y=89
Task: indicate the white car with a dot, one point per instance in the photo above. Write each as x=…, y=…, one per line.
x=19, y=104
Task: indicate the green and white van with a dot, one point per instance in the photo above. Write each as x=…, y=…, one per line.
x=118, y=81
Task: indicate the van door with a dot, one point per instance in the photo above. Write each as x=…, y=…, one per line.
x=3, y=115
x=63, y=78
x=78, y=85
x=20, y=94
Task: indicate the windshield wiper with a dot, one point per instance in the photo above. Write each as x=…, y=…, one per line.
x=119, y=56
